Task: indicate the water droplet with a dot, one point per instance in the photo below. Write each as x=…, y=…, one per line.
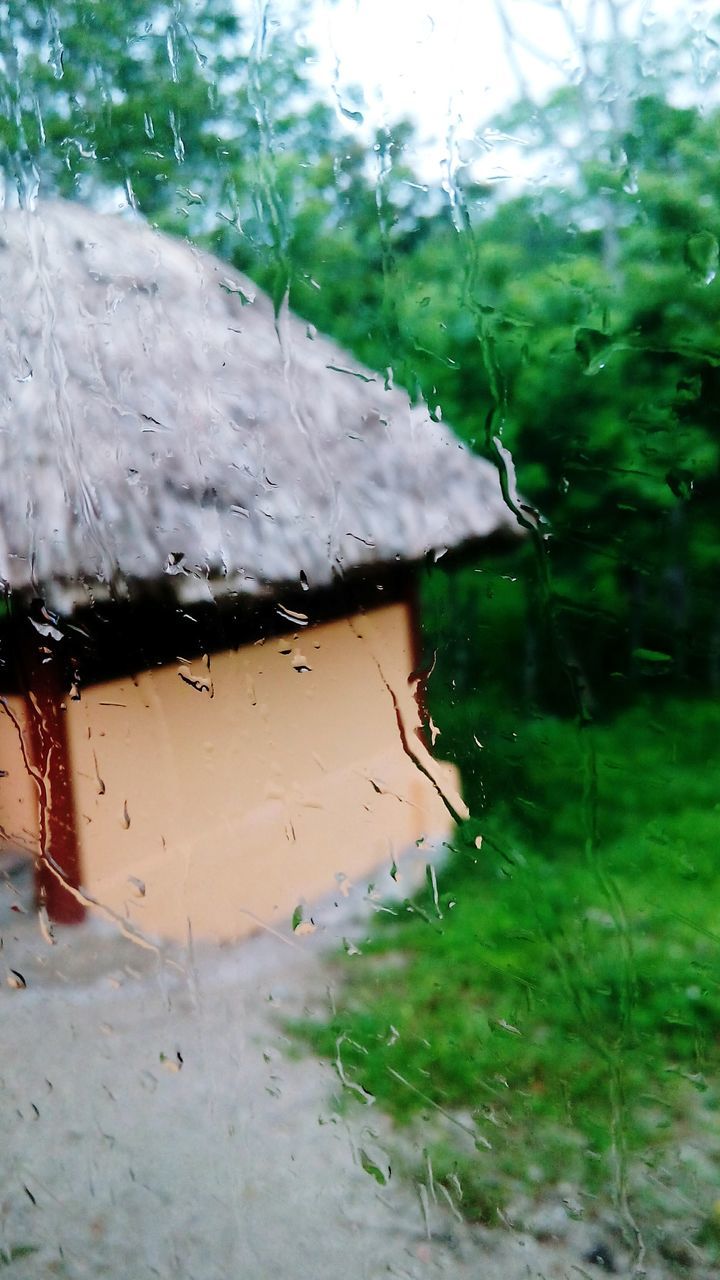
x=652, y=659
x=192, y=197
x=174, y=563
x=172, y=53
x=292, y=615
x=593, y=348
x=680, y=482
x=46, y=629
x=178, y=144
x=701, y=256
x=56, y=50
x=373, y=1169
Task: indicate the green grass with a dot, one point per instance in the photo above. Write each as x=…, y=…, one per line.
x=561, y=998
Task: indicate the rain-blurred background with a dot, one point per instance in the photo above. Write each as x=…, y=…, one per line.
x=512, y=210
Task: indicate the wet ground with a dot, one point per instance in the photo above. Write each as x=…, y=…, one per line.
x=157, y=1122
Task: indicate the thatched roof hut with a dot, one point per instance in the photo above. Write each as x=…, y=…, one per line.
x=158, y=420
x=167, y=441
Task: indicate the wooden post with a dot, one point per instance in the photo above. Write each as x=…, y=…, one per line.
x=57, y=865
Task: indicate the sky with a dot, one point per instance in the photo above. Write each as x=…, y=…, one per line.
x=453, y=65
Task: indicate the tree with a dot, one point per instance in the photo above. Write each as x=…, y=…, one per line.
x=170, y=105
x=580, y=325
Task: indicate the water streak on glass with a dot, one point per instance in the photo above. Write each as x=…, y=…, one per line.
x=359, y=639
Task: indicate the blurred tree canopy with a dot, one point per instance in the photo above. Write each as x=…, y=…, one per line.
x=578, y=326
x=575, y=326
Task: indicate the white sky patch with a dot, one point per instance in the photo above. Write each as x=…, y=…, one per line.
x=453, y=66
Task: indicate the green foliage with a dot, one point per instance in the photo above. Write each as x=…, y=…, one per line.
x=565, y=995
x=580, y=327
x=109, y=96
x=170, y=106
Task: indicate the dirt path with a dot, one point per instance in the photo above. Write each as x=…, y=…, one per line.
x=155, y=1124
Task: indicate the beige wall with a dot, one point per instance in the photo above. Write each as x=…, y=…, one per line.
x=18, y=792
x=234, y=802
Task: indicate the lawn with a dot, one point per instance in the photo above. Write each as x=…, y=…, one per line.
x=552, y=1012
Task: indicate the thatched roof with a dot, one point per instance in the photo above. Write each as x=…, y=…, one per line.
x=157, y=423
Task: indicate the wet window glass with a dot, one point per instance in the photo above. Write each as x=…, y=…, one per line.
x=359, y=639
